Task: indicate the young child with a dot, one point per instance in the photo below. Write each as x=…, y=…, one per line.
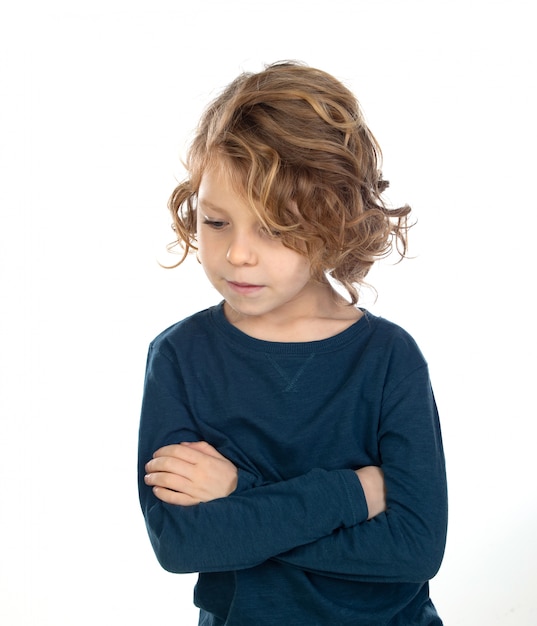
x=290, y=449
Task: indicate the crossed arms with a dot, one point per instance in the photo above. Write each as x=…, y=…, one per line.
x=206, y=513
x=189, y=473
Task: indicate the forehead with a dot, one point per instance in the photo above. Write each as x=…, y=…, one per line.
x=221, y=181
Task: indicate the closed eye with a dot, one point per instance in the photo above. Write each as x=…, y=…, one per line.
x=215, y=224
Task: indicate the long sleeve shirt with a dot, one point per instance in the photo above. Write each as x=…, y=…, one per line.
x=292, y=544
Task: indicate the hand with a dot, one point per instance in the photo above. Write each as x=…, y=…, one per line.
x=189, y=473
x=372, y=479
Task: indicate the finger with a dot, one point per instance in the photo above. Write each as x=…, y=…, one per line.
x=185, y=451
x=165, y=464
x=191, y=452
x=174, y=497
x=204, y=447
x=174, y=450
x=178, y=449
x=168, y=481
x=171, y=465
x=176, y=458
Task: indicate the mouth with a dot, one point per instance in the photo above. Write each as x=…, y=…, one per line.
x=244, y=288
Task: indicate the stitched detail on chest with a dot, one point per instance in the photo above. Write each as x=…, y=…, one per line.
x=290, y=375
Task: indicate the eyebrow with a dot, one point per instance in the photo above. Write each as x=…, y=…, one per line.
x=207, y=204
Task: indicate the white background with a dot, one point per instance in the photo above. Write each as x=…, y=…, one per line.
x=97, y=101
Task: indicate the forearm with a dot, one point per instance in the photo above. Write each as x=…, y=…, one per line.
x=405, y=543
x=387, y=548
x=248, y=528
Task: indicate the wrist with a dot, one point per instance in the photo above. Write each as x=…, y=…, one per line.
x=372, y=481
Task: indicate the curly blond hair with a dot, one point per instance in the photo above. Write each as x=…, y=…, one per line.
x=295, y=140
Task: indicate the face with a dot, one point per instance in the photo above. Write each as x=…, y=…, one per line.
x=250, y=267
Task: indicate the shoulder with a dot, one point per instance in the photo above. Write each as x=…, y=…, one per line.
x=188, y=330
x=388, y=330
x=393, y=343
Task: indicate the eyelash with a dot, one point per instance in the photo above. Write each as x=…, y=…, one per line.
x=273, y=234
x=216, y=224
x=221, y=224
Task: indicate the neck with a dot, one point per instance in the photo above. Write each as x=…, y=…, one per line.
x=323, y=314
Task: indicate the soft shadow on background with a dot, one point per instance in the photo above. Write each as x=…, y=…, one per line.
x=97, y=102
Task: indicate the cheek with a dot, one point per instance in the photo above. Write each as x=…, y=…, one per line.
x=295, y=264
x=203, y=255
x=202, y=242
x=210, y=250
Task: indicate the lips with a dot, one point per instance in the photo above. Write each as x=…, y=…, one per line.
x=244, y=288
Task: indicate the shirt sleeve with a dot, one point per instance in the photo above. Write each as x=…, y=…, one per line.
x=246, y=529
x=406, y=543
x=252, y=525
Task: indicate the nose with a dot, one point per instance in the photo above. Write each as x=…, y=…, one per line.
x=240, y=251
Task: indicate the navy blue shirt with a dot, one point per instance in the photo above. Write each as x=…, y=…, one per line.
x=292, y=545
